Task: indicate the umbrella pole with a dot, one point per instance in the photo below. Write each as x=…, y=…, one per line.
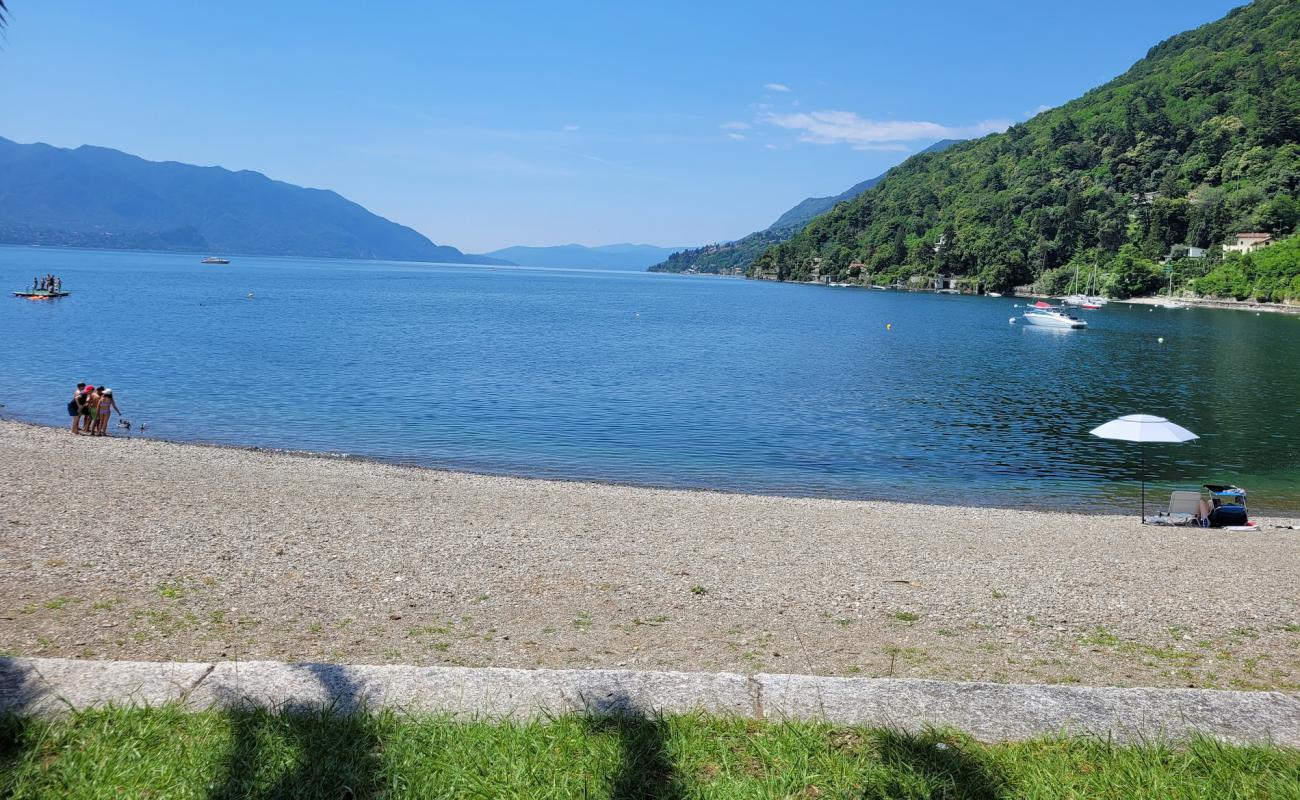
x=1144, y=486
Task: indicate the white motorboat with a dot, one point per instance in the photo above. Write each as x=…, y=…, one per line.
x=1052, y=317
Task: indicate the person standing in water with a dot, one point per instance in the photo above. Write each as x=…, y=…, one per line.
x=74, y=407
x=106, y=408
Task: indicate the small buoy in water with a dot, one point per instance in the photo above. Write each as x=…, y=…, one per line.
x=1012, y=320
x=1160, y=340
x=889, y=326
x=250, y=295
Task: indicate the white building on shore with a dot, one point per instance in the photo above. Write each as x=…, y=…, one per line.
x=1247, y=242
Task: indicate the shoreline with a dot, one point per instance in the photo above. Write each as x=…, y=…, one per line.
x=1198, y=302
x=181, y=552
x=398, y=463
x=1223, y=305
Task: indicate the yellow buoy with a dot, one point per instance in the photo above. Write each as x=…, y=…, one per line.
x=889, y=326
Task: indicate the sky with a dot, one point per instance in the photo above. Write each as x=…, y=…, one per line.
x=489, y=124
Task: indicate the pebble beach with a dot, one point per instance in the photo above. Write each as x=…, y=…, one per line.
x=140, y=549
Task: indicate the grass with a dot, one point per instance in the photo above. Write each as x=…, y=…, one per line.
x=906, y=616
x=166, y=752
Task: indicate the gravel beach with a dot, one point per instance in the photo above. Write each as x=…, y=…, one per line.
x=142, y=549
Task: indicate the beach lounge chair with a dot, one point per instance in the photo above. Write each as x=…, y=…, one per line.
x=1184, y=509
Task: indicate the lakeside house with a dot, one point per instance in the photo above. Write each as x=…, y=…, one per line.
x=1183, y=251
x=1248, y=242
x=945, y=283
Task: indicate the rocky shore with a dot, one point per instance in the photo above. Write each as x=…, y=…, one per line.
x=141, y=549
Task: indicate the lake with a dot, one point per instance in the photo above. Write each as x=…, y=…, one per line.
x=659, y=380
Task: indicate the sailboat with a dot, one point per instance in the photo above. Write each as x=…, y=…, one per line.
x=1092, y=298
x=1171, y=302
x=1074, y=298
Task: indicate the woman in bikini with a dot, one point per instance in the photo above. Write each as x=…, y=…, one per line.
x=106, y=408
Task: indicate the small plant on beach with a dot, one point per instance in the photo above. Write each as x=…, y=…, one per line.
x=998, y=594
x=906, y=616
x=947, y=632
x=699, y=591
x=1292, y=627
x=845, y=622
x=1101, y=636
x=583, y=621
x=217, y=617
x=170, y=591
x=315, y=627
x=59, y=602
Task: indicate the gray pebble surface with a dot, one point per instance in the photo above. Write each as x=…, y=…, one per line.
x=149, y=550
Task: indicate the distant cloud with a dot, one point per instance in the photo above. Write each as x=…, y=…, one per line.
x=572, y=128
x=846, y=127
x=776, y=87
x=736, y=136
x=735, y=126
x=1033, y=112
x=770, y=146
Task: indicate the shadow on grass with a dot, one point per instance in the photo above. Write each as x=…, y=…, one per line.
x=20, y=696
x=935, y=764
x=306, y=750
x=646, y=768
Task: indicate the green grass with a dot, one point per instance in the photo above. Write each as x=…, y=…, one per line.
x=168, y=753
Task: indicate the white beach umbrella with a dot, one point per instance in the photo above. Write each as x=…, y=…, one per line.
x=1143, y=428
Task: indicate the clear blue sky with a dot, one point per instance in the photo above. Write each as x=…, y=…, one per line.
x=487, y=124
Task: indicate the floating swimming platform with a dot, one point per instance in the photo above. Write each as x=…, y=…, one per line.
x=41, y=294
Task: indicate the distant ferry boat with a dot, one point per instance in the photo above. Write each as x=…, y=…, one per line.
x=215, y=260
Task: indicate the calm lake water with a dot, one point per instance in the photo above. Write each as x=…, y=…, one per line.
x=658, y=379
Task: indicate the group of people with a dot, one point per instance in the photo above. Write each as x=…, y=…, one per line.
x=90, y=408
x=50, y=283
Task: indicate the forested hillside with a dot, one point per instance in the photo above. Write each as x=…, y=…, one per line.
x=1197, y=141
x=727, y=257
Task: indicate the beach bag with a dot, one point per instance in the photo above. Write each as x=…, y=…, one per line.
x=1227, y=515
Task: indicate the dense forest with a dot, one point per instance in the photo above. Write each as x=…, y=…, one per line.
x=1197, y=141
x=725, y=258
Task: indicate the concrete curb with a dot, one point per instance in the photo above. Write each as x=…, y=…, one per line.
x=987, y=711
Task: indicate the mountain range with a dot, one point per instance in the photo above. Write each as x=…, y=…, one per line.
x=99, y=197
x=737, y=255
x=609, y=256
x=1196, y=142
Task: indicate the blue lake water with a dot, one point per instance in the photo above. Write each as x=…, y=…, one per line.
x=658, y=379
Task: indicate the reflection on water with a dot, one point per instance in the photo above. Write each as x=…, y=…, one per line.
x=659, y=379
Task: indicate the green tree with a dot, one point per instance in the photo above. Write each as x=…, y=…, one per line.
x=1131, y=275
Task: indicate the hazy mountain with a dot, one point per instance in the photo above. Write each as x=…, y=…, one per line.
x=739, y=254
x=609, y=256
x=97, y=197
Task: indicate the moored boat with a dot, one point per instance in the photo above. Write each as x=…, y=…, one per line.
x=1049, y=316
x=215, y=260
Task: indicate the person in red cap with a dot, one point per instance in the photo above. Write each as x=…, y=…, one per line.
x=89, y=410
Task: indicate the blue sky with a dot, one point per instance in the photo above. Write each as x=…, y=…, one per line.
x=490, y=124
